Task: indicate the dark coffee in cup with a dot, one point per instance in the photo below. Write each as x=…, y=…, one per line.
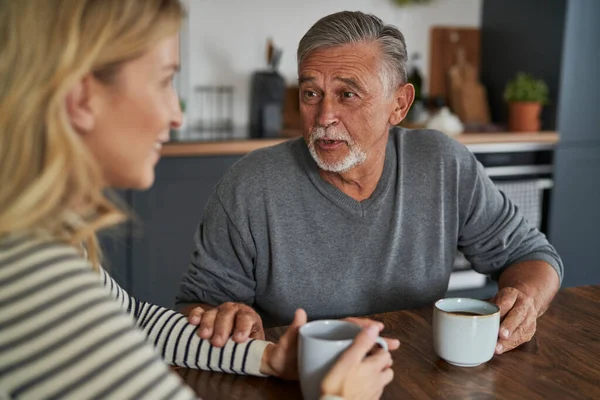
x=465, y=313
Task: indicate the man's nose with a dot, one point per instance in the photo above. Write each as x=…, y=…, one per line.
x=328, y=113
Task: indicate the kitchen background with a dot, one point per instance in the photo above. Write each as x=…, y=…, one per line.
x=224, y=41
x=552, y=172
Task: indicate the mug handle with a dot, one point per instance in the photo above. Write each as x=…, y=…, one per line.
x=380, y=341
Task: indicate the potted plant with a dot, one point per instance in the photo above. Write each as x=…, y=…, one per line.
x=525, y=96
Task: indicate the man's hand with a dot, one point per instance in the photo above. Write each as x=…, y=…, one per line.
x=518, y=315
x=234, y=320
x=525, y=292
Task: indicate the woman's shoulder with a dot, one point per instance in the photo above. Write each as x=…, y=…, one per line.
x=28, y=253
x=39, y=264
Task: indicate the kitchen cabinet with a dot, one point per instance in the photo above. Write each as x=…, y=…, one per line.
x=575, y=217
x=167, y=216
x=578, y=116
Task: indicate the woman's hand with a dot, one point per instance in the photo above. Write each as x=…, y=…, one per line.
x=281, y=360
x=360, y=373
x=393, y=344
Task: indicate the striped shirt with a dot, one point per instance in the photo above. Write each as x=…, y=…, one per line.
x=67, y=332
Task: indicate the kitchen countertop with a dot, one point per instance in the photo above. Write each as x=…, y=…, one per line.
x=239, y=147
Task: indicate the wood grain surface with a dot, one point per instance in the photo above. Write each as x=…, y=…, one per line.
x=561, y=362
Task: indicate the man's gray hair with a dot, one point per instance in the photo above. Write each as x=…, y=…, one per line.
x=349, y=27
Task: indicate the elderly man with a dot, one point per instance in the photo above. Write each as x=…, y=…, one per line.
x=359, y=216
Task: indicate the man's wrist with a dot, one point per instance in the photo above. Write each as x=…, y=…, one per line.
x=520, y=286
x=536, y=279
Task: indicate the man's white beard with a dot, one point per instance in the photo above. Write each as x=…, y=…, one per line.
x=355, y=156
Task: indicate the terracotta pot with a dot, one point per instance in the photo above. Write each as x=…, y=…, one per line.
x=524, y=117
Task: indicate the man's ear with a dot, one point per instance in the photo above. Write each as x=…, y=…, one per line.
x=82, y=114
x=403, y=99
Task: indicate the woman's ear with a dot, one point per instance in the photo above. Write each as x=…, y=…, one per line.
x=80, y=110
x=403, y=99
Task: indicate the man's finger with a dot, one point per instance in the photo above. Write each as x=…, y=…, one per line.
x=522, y=334
x=514, y=318
x=195, y=315
x=205, y=330
x=223, y=326
x=244, y=323
x=505, y=300
x=258, y=334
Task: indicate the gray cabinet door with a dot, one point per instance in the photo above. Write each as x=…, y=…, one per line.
x=168, y=214
x=575, y=210
x=578, y=118
x=575, y=214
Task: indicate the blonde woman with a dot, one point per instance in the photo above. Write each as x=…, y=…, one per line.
x=86, y=103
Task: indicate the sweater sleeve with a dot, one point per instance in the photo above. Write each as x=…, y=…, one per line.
x=62, y=337
x=221, y=268
x=494, y=234
x=177, y=341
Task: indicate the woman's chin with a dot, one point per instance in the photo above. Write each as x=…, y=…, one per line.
x=144, y=179
x=139, y=182
x=145, y=182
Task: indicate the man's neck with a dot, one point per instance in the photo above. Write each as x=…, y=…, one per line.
x=360, y=182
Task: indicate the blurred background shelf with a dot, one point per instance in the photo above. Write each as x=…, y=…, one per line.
x=190, y=148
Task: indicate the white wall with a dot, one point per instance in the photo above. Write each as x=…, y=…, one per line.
x=226, y=39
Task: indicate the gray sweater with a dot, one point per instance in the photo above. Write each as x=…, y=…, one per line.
x=276, y=236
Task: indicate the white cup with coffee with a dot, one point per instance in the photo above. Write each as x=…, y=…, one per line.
x=320, y=345
x=465, y=331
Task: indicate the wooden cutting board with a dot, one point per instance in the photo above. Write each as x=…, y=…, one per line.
x=445, y=42
x=473, y=104
x=467, y=97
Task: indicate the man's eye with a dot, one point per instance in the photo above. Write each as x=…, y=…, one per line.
x=349, y=95
x=308, y=93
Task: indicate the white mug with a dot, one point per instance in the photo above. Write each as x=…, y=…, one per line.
x=320, y=345
x=465, y=331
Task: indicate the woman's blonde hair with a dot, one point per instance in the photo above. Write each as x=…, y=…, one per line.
x=50, y=185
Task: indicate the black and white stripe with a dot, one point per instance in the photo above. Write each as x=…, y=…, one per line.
x=176, y=340
x=69, y=333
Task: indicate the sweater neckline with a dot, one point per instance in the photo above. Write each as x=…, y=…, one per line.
x=341, y=199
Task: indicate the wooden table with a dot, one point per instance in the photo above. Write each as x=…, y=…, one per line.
x=561, y=362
